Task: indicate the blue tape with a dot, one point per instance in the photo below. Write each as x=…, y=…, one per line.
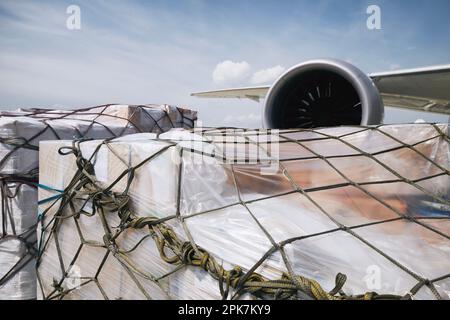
x=56, y=196
x=48, y=188
x=43, y=186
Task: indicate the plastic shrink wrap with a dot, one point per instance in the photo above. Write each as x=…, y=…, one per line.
x=20, y=133
x=370, y=203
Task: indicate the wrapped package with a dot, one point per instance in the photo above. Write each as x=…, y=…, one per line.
x=20, y=133
x=337, y=213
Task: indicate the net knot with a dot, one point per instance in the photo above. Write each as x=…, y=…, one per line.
x=110, y=244
x=187, y=253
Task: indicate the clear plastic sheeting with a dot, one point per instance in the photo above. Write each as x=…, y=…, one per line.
x=220, y=213
x=20, y=134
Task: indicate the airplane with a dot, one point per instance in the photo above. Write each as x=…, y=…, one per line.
x=331, y=92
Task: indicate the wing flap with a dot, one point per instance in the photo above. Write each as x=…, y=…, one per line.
x=252, y=93
x=423, y=89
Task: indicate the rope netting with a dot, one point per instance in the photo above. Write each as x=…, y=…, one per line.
x=94, y=217
x=20, y=134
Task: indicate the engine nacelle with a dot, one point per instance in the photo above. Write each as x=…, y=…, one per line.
x=322, y=93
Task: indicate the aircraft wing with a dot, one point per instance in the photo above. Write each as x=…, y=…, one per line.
x=253, y=93
x=422, y=89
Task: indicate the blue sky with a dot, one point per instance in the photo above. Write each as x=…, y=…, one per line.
x=160, y=51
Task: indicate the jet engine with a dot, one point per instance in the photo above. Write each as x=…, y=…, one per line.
x=322, y=93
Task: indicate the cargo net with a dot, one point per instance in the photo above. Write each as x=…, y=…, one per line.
x=396, y=216
x=19, y=159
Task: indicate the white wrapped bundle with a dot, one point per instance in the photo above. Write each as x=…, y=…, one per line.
x=371, y=203
x=20, y=133
x=109, y=121
x=15, y=253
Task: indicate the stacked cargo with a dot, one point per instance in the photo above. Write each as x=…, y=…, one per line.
x=20, y=133
x=335, y=213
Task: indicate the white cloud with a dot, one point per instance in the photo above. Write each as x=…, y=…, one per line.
x=267, y=76
x=228, y=72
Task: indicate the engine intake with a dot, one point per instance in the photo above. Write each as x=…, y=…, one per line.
x=322, y=93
